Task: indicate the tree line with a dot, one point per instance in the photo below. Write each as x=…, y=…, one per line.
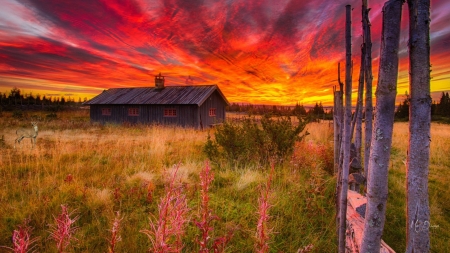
x=317, y=111
x=439, y=109
x=16, y=97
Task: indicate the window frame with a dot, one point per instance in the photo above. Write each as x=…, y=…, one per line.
x=106, y=111
x=133, y=111
x=212, y=112
x=170, y=112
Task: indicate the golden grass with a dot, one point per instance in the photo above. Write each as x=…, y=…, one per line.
x=98, y=170
x=248, y=177
x=320, y=132
x=394, y=233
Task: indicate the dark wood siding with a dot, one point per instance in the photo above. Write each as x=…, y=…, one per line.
x=187, y=115
x=214, y=101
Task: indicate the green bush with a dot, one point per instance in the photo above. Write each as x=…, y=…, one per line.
x=252, y=142
x=282, y=134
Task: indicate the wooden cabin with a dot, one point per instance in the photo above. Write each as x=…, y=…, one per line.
x=186, y=106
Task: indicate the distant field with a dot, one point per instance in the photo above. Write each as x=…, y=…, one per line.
x=98, y=170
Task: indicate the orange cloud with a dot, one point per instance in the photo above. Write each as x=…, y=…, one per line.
x=262, y=52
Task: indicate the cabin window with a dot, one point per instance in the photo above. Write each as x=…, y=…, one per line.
x=133, y=112
x=106, y=111
x=212, y=112
x=170, y=112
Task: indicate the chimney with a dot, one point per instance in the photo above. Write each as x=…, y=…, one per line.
x=159, y=81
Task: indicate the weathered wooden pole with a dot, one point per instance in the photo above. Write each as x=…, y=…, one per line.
x=377, y=186
x=358, y=113
x=336, y=127
x=418, y=211
x=336, y=153
x=346, y=134
x=341, y=117
x=357, y=119
x=368, y=79
x=338, y=117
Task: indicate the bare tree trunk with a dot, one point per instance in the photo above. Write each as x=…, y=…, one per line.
x=418, y=211
x=341, y=120
x=337, y=145
x=338, y=118
x=368, y=78
x=346, y=134
x=341, y=115
x=357, y=120
x=377, y=187
x=338, y=129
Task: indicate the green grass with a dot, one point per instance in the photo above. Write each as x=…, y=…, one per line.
x=111, y=167
x=439, y=192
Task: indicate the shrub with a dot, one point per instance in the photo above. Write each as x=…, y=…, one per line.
x=211, y=148
x=251, y=141
x=283, y=135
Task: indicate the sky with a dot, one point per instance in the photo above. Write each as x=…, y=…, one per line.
x=257, y=51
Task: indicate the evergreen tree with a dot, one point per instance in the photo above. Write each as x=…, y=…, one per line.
x=299, y=110
x=402, y=111
x=15, y=95
x=443, y=108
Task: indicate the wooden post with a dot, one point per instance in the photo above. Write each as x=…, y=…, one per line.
x=418, y=210
x=335, y=129
x=358, y=114
x=357, y=119
x=337, y=133
x=368, y=78
x=338, y=120
x=377, y=186
x=338, y=127
x=346, y=135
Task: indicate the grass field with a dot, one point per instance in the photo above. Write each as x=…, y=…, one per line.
x=98, y=170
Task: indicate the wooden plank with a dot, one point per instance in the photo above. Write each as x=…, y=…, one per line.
x=355, y=223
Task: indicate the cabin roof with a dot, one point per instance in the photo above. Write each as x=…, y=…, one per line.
x=180, y=95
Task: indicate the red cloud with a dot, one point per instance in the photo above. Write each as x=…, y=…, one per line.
x=276, y=52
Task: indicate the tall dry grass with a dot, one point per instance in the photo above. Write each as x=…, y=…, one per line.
x=100, y=170
x=439, y=176
x=95, y=169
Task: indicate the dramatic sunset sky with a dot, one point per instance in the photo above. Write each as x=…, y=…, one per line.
x=257, y=51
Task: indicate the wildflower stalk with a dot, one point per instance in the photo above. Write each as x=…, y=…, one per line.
x=166, y=233
x=206, y=177
x=262, y=230
x=21, y=238
x=62, y=231
x=207, y=217
x=115, y=236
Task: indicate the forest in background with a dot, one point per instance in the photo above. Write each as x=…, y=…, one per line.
x=16, y=99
